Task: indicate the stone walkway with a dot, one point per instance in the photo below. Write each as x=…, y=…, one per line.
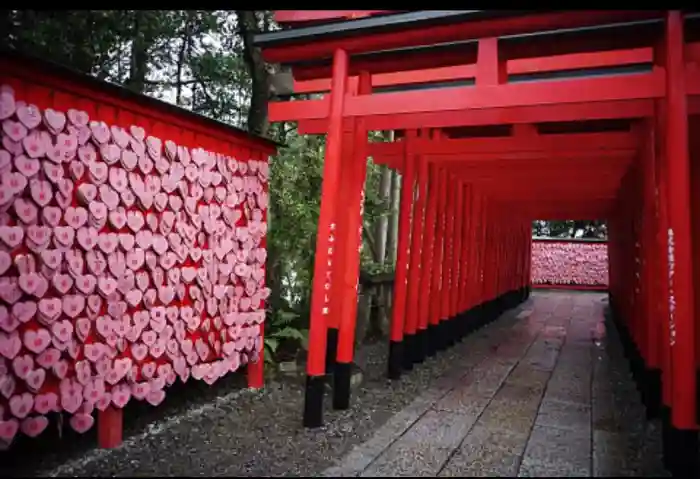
x=544, y=391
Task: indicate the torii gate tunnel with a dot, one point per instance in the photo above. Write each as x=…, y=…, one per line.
x=503, y=117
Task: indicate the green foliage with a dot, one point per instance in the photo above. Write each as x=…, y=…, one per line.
x=282, y=329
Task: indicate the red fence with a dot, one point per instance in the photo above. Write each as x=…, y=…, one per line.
x=569, y=263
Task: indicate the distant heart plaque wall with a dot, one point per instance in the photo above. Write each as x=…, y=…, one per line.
x=569, y=263
x=126, y=262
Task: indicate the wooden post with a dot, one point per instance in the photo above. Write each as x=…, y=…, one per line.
x=448, y=262
x=357, y=171
x=458, y=267
x=423, y=265
x=434, y=340
x=468, y=262
x=683, y=432
x=341, y=236
x=316, y=362
x=415, y=267
x=652, y=377
x=409, y=196
x=110, y=427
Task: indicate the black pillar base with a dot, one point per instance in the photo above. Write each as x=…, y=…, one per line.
x=667, y=453
x=331, y=348
x=341, y=385
x=652, y=394
x=410, y=344
x=683, y=450
x=422, y=345
x=313, y=401
x=440, y=336
x=432, y=340
x=463, y=324
x=448, y=332
x=697, y=395
x=396, y=355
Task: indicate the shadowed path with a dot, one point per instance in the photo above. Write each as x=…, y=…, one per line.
x=543, y=391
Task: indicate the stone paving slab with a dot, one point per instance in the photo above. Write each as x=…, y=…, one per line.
x=542, y=392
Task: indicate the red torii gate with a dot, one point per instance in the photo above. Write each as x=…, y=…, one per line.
x=575, y=146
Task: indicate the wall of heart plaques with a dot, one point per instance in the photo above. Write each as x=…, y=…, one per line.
x=555, y=262
x=126, y=262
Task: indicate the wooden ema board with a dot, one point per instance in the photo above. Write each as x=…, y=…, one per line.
x=132, y=255
x=569, y=264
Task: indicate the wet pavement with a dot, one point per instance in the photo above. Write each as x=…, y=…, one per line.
x=543, y=391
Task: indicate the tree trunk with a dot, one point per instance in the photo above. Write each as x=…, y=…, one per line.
x=381, y=226
x=138, y=63
x=364, y=312
x=184, y=47
x=260, y=78
x=393, y=234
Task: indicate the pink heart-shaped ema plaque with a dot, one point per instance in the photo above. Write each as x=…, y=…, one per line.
x=8, y=105
x=54, y=120
x=82, y=422
x=78, y=117
x=100, y=132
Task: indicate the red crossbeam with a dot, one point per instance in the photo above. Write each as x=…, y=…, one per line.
x=305, y=16
x=539, y=143
x=514, y=115
x=452, y=33
x=573, y=61
x=467, y=99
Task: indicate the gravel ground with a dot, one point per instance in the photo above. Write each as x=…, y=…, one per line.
x=227, y=430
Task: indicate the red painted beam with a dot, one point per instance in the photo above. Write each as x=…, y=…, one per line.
x=554, y=192
x=572, y=176
x=628, y=109
x=321, y=16
x=520, y=159
x=463, y=72
x=446, y=56
x=538, y=143
x=420, y=34
x=468, y=99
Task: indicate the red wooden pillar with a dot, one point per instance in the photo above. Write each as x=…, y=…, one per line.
x=695, y=205
x=466, y=266
x=350, y=265
x=489, y=258
x=466, y=270
x=448, y=258
x=426, y=292
x=523, y=277
x=683, y=435
x=528, y=260
x=662, y=309
x=662, y=303
x=416, y=280
x=434, y=341
x=499, y=264
x=651, y=392
x=409, y=196
x=316, y=361
x=110, y=427
x=479, y=252
x=457, y=268
x=340, y=240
